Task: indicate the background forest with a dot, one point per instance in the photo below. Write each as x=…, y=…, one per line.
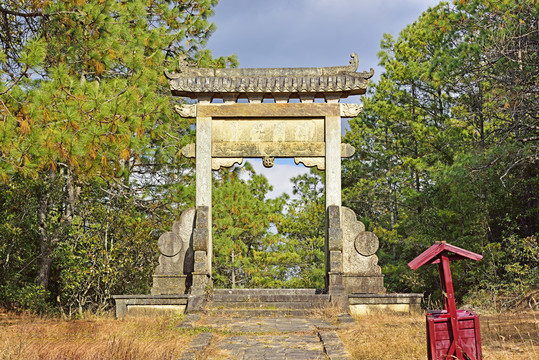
x=91, y=171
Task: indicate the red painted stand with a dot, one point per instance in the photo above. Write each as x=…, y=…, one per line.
x=451, y=333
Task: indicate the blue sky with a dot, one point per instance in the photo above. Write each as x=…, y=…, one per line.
x=307, y=33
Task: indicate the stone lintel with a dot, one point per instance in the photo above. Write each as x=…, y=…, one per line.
x=308, y=153
x=269, y=110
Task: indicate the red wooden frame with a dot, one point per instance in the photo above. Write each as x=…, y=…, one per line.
x=439, y=253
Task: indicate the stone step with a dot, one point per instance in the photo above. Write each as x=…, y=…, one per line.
x=258, y=312
x=268, y=291
x=248, y=297
x=267, y=305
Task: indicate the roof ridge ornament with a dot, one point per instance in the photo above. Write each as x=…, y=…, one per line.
x=186, y=69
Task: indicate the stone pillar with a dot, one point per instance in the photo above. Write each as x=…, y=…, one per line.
x=333, y=160
x=333, y=205
x=203, y=249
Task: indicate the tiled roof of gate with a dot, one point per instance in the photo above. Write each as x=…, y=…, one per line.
x=191, y=81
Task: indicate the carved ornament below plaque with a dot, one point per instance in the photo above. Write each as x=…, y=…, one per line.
x=186, y=110
x=319, y=162
x=350, y=110
x=217, y=163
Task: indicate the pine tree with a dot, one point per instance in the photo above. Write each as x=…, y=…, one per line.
x=83, y=97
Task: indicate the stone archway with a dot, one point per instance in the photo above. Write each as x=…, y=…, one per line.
x=309, y=132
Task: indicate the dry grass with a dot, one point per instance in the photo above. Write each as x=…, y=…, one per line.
x=28, y=337
x=383, y=337
x=507, y=336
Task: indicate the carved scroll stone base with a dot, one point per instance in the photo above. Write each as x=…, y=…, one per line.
x=171, y=276
x=169, y=284
x=361, y=272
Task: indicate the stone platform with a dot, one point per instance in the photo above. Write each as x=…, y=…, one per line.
x=149, y=305
x=364, y=304
x=262, y=302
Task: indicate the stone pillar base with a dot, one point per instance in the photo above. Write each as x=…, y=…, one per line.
x=201, y=283
x=363, y=284
x=169, y=284
x=335, y=283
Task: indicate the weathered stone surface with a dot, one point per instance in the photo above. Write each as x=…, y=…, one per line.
x=267, y=111
x=350, y=110
x=333, y=216
x=200, y=239
x=201, y=262
x=201, y=232
x=170, y=259
x=333, y=161
x=268, y=161
x=145, y=304
x=203, y=195
x=305, y=152
x=347, y=150
x=189, y=70
x=335, y=239
x=263, y=148
x=333, y=345
x=335, y=260
x=202, y=251
x=176, y=257
x=278, y=338
x=366, y=243
x=319, y=162
x=365, y=304
x=186, y=110
x=217, y=163
x=363, y=284
x=169, y=284
x=202, y=217
x=201, y=283
x=274, y=130
x=189, y=150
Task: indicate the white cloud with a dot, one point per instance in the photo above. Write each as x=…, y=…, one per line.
x=279, y=175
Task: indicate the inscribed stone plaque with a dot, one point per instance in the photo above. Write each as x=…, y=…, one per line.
x=274, y=130
x=265, y=137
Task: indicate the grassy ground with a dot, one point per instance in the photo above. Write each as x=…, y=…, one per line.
x=28, y=337
x=510, y=336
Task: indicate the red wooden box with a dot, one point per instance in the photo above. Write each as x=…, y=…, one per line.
x=440, y=334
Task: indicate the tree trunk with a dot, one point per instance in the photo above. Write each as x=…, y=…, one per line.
x=233, y=272
x=43, y=274
x=49, y=237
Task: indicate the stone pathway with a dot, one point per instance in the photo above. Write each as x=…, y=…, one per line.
x=263, y=339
